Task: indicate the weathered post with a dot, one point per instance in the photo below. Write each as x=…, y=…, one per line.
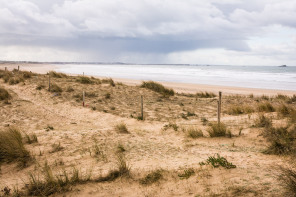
x=48, y=82
x=83, y=97
x=83, y=73
x=218, y=113
x=18, y=68
x=5, y=68
x=142, y=110
x=219, y=107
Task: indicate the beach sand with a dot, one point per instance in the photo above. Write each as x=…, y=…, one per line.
x=87, y=138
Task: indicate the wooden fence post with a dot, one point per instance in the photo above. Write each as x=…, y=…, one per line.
x=18, y=68
x=142, y=110
x=219, y=107
x=48, y=82
x=5, y=68
x=83, y=98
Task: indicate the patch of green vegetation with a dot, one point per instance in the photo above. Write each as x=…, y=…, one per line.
x=187, y=173
x=152, y=177
x=217, y=161
x=157, y=87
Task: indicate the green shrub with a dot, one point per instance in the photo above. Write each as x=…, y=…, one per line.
x=4, y=95
x=205, y=95
x=187, y=173
x=218, y=130
x=12, y=147
x=217, y=161
x=281, y=140
x=157, y=87
x=152, y=177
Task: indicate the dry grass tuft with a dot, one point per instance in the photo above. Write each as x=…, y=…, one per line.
x=194, y=133
x=152, y=177
x=121, y=128
x=265, y=107
x=263, y=121
x=12, y=147
x=157, y=87
x=57, y=74
x=55, y=88
x=4, y=95
x=218, y=130
x=239, y=109
x=287, y=177
x=205, y=95
x=84, y=80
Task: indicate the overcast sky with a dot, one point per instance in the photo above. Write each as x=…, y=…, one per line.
x=236, y=32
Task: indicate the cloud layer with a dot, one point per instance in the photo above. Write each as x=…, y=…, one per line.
x=146, y=31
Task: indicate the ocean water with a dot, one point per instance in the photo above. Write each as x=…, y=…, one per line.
x=266, y=77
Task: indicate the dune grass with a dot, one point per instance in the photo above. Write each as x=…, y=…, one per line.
x=265, y=107
x=57, y=74
x=263, y=121
x=121, y=128
x=287, y=177
x=157, y=87
x=4, y=94
x=55, y=88
x=217, y=161
x=239, y=109
x=12, y=148
x=218, y=130
x=84, y=80
x=205, y=95
x=194, y=133
x=152, y=177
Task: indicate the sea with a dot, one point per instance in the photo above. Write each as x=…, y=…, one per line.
x=263, y=77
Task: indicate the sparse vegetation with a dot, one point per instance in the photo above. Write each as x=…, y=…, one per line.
x=4, y=95
x=121, y=128
x=157, y=87
x=285, y=110
x=12, y=147
x=282, y=140
x=30, y=139
x=110, y=81
x=218, y=130
x=205, y=95
x=217, y=161
x=84, y=80
x=57, y=74
x=55, y=88
x=187, y=173
x=56, y=147
x=40, y=87
x=193, y=132
x=263, y=121
x=171, y=125
x=288, y=178
x=239, y=109
x=265, y=107
x=152, y=177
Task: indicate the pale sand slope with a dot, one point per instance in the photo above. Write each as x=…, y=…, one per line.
x=178, y=87
x=148, y=147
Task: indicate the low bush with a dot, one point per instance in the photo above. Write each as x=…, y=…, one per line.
x=4, y=94
x=281, y=140
x=287, y=176
x=265, y=107
x=217, y=161
x=12, y=147
x=263, y=121
x=193, y=132
x=218, y=130
x=121, y=128
x=152, y=177
x=205, y=95
x=157, y=87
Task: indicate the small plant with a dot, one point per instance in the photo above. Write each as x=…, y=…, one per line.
x=218, y=130
x=281, y=140
x=187, y=173
x=265, y=107
x=205, y=95
x=204, y=121
x=4, y=95
x=30, y=139
x=121, y=128
x=48, y=128
x=12, y=147
x=194, y=133
x=263, y=121
x=217, y=161
x=152, y=177
x=56, y=147
x=157, y=87
x=288, y=178
x=120, y=148
x=171, y=125
x=107, y=96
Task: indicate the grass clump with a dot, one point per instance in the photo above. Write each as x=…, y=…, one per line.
x=287, y=177
x=157, y=87
x=69, y=89
x=109, y=81
x=194, y=133
x=152, y=177
x=55, y=88
x=4, y=95
x=30, y=139
x=12, y=147
x=265, y=107
x=57, y=74
x=84, y=80
x=217, y=161
x=237, y=110
x=285, y=110
x=218, y=130
x=187, y=173
x=40, y=87
x=263, y=121
x=281, y=140
x=51, y=184
x=121, y=128
x=205, y=95
x=170, y=125
x=56, y=147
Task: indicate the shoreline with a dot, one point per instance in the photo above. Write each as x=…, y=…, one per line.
x=178, y=87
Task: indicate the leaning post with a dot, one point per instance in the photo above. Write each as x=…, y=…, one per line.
x=142, y=110
x=48, y=82
x=83, y=98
